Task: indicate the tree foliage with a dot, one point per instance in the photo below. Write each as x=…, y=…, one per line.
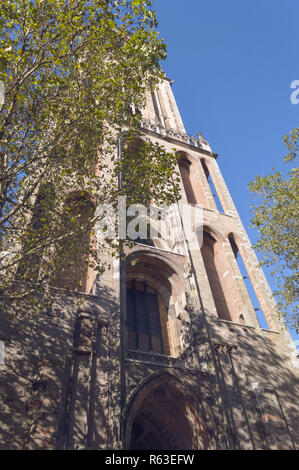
x=71, y=71
x=276, y=218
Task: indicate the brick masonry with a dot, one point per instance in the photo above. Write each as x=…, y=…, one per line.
x=69, y=380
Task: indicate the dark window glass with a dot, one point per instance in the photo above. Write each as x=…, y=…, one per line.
x=154, y=315
x=130, y=303
x=143, y=320
x=140, y=310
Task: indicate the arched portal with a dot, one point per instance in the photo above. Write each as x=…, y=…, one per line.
x=161, y=423
x=164, y=416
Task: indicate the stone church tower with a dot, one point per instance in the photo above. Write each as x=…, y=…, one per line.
x=165, y=352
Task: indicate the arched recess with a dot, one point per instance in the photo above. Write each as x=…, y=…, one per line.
x=191, y=179
x=153, y=296
x=72, y=253
x=215, y=266
x=37, y=233
x=164, y=414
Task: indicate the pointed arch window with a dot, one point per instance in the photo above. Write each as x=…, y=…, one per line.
x=144, y=325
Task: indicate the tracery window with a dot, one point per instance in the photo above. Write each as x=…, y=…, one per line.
x=144, y=325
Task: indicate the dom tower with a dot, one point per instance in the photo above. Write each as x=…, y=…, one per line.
x=165, y=350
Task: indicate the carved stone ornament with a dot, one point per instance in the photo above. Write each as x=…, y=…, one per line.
x=186, y=337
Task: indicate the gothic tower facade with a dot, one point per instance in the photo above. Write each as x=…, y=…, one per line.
x=165, y=352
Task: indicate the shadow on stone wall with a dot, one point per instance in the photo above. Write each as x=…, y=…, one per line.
x=50, y=382
x=61, y=387
x=259, y=386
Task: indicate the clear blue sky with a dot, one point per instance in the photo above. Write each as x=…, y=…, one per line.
x=233, y=62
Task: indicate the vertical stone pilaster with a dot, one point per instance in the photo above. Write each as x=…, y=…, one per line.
x=205, y=187
x=174, y=109
x=246, y=436
x=272, y=418
x=258, y=280
x=220, y=186
x=243, y=302
x=99, y=433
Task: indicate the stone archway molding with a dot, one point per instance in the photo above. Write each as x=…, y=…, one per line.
x=199, y=417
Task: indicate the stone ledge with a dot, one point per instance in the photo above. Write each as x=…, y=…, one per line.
x=247, y=326
x=160, y=249
x=218, y=212
x=172, y=366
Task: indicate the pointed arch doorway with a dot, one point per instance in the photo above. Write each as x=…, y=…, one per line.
x=163, y=416
x=161, y=423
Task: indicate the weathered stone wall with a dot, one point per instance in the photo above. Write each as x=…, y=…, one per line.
x=58, y=383
x=69, y=380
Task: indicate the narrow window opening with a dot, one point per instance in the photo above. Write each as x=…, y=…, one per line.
x=254, y=300
x=212, y=186
x=144, y=327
